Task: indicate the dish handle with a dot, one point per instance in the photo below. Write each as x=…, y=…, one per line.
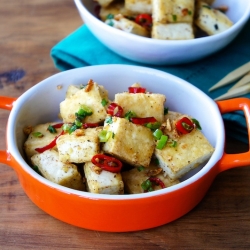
x=229, y=161
x=6, y=103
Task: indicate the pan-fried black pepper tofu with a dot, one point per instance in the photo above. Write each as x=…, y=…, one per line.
x=152, y=103
x=173, y=11
x=139, y=6
x=130, y=143
x=192, y=149
x=91, y=96
x=54, y=170
x=39, y=137
x=102, y=182
x=210, y=20
x=80, y=146
x=134, y=178
x=122, y=23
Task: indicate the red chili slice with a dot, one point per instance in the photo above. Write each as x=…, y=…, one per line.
x=107, y=163
x=58, y=125
x=184, y=125
x=142, y=121
x=115, y=110
x=90, y=125
x=158, y=181
x=50, y=145
x=135, y=90
x=145, y=20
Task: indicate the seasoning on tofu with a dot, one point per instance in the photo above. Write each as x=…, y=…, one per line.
x=131, y=144
x=165, y=19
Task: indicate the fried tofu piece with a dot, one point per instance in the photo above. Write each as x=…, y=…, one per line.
x=80, y=146
x=131, y=143
x=174, y=11
x=34, y=141
x=134, y=178
x=139, y=6
x=90, y=96
x=115, y=8
x=54, y=170
x=172, y=31
x=153, y=104
x=104, y=182
x=122, y=23
x=192, y=150
x=104, y=3
x=210, y=20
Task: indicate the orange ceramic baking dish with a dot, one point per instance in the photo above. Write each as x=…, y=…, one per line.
x=119, y=213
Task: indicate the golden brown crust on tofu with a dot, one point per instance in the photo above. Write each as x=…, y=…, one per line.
x=153, y=104
x=52, y=169
x=91, y=98
x=210, y=20
x=103, y=183
x=134, y=178
x=34, y=142
x=131, y=143
x=79, y=147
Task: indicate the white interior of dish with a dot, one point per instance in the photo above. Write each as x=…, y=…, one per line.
x=40, y=104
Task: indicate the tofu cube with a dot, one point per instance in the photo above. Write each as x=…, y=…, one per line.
x=60, y=173
x=90, y=96
x=192, y=150
x=122, y=23
x=134, y=178
x=104, y=3
x=210, y=20
x=131, y=143
x=104, y=182
x=144, y=105
x=34, y=142
x=79, y=146
x=174, y=11
x=139, y=6
x=172, y=31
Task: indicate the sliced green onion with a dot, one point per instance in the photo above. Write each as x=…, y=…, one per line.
x=104, y=102
x=78, y=123
x=51, y=129
x=147, y=185
x=104, y=135
x=66, y=127
x=172, y=143
x=157, y=134
x=141, y=168
x=162, y=142
x=153, y=125
x=197, y=124
x=109, y=120
x=130, y=114
x=37, y=134
x=110, y=16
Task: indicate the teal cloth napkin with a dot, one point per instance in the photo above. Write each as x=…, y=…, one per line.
x=81, y=49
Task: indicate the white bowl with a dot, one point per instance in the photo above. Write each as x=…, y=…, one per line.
x=159, y=52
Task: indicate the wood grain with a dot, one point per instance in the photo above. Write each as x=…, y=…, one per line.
x=28, y=30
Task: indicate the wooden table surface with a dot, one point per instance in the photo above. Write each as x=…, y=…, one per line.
x=28, y=30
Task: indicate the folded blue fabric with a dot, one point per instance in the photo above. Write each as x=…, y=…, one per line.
x=81, y=49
